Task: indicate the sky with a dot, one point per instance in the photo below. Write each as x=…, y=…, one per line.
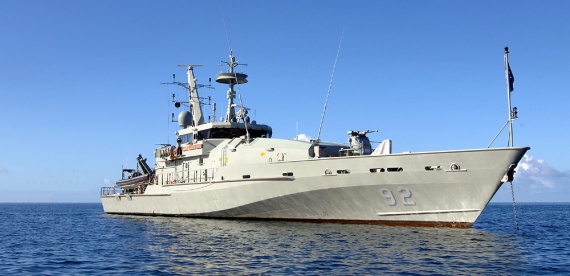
x=81, y=92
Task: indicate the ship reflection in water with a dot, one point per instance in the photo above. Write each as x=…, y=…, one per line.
x=183, y=246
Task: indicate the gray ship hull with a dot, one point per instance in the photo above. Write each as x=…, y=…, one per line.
x=446, y=188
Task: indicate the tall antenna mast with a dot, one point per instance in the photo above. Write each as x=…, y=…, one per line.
x=232, y=78
x=195, y=107
x=193, y=98
x=330, y=86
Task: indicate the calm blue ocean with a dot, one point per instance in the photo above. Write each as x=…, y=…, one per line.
x=80, y=239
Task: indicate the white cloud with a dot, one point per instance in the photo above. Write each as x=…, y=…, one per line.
x=537, y=174
x=303, y=137
x=537, y=181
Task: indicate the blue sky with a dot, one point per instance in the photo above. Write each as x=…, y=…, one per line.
x=81, y=94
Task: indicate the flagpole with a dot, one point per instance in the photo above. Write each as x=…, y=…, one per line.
x=509, y=89
x=512, y=115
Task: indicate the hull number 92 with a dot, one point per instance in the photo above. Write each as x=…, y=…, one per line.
x=405, y=196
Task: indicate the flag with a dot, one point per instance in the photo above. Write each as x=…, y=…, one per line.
x=511, y=78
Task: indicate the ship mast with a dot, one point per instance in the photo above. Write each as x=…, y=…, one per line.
x=231, y=78
x=195, y=106
x=193, y=98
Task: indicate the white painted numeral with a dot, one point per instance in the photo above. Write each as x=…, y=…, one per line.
x=405, y=196
x=390, y=199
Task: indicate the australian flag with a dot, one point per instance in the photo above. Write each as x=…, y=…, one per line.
x=511, y=78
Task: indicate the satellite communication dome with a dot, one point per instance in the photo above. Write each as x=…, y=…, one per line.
x=185, y=119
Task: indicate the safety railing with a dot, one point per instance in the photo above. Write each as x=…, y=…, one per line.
x=107, y=191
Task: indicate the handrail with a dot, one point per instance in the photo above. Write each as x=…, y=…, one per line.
x=107, y=191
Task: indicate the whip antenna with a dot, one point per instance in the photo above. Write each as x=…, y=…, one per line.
x=330, y=86
x=225, y=29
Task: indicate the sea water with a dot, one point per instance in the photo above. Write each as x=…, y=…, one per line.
x=80, y=239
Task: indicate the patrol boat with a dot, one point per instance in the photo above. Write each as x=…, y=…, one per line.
x=234, y=169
